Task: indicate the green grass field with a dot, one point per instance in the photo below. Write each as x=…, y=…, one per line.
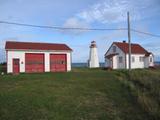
x=83, y=94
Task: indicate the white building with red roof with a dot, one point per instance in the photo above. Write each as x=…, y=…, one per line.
x=32, y=57
x=117, y=56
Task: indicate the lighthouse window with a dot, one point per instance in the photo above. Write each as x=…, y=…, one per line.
x=150, y=59
x=114, y=48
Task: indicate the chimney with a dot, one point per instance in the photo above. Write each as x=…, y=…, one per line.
x=124, y=41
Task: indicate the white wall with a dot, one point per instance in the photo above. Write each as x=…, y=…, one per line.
x=137, y=63
x=151, y=63
x=116, y=64
x=21, y=56
x=47, y=62
x=17, y=54
x=147, y=61
x=93, y=58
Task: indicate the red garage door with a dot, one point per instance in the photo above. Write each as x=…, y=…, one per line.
x=34, y=62
x=58, y=62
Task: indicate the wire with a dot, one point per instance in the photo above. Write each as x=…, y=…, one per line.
x=60, y=28
x=76, y=28
x=146, y=33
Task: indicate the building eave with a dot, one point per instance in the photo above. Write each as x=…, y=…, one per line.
x=39, y=50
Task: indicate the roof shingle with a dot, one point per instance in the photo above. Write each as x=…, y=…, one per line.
x=135, y=48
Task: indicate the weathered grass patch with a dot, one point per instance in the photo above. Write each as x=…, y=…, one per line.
x=145, y=86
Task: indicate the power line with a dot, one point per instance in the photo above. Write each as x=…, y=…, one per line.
x=76, y=28
x=146, y=33
x=59, y=28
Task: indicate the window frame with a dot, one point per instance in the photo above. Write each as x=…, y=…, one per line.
x=120, y=59
x=133, y=59
x=114, y=49
x=150, y=59
x=141, y=59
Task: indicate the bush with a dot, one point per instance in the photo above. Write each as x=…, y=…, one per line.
x=3, y=68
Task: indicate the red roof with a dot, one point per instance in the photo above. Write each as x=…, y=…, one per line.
x=35, y=46
x=135, y=48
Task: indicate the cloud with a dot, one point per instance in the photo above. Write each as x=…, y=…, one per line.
x=75, y=23
x=114, y=36
x=113, y=11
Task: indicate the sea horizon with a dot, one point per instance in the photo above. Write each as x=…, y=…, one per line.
x=84, y=64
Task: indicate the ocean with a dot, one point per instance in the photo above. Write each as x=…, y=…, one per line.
x=84, y=64
x=157, y=63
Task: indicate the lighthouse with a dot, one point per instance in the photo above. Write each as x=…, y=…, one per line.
x=93, y=61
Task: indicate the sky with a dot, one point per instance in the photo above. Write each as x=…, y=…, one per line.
x=144, y=15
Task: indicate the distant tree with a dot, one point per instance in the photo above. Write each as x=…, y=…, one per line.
x=3, y=63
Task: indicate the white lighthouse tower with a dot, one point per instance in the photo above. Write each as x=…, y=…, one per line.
x=93, y=61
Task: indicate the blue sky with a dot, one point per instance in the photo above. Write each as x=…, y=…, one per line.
x=145, y=16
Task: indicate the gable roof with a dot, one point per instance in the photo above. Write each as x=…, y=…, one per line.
x=35, y=46
x=135, y=48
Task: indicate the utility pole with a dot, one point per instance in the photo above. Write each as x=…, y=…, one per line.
x=129, y=42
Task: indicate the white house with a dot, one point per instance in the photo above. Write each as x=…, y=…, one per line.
x=37, y=57
x=117, y=56
x=93, y=61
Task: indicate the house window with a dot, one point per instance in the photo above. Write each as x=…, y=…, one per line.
x=133, y=59
x=151, y=59
x=120, y=59
x=114, y=48
x=141, y=59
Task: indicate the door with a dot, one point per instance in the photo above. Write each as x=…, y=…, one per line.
x=58, y=63
x=34, y=62
x=16, y=66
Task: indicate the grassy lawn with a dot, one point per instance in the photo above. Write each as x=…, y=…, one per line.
x=82, y=94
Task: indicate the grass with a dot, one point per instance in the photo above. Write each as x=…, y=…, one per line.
x=145, y=87
x=83, y=94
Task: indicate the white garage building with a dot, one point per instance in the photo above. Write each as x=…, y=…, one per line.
x=32, y=57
